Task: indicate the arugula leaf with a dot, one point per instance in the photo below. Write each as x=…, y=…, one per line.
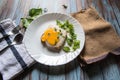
x=74, y=36
x=72, y=39
x=69, y=41
x=35, y=12
x=76, y=44
x=58, y=23
x=26, y=21
x=66, y=23
x=66, y=49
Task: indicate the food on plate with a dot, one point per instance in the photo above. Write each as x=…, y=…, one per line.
x=54, y=37
x=60, y=36
x=71, y=40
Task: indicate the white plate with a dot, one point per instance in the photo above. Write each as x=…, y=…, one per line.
x=42, y=54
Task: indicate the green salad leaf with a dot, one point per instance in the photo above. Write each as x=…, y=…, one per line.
x=66, y=49
x=33, y=14
x=74, y=36
x=76, y=44
x=58, y=23
x=71, y=40
x=26, y=21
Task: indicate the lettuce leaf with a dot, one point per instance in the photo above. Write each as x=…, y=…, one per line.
x=33, y=14
x=26, y=21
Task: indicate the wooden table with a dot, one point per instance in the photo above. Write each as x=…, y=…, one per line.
x=107, y=69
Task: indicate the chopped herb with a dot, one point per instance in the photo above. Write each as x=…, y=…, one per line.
x=76, y=45
x=59, y=30
x=58, y=37
x=65, y=6
x=66, y=49
x=58, y=23
x=48, y=34
x=61, y=34
x=35, y=12
x=69, y=41
x=55, y=29
x=55, y=42
x=72, y=37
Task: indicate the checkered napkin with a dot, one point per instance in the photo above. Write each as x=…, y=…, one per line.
x=15, y=59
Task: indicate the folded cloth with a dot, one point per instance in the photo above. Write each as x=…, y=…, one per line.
x=101, y=38
x=15, y=59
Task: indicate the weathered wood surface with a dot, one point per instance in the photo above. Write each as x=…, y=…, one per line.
x=107, y=69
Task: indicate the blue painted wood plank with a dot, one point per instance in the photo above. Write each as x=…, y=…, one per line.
x=12, y=8
x=109, y=15
x=35, y=74
x=79, y=5
x=58, y=6
x=106, y=11
x=56, y=73
x=83, y=75
x=117, y=59
x=117, y=14
x=110, y=69
x=72, y=70
x=94, y=72
x=83, y=4
x=115, y=9
x=73, y=6
x=4, y=10
x=2, y=3
x=98, y=7
x=43, y=71
x=26, y=77
x=19, y=13
x=68, y=9
x=50, y=7
x=78, y=70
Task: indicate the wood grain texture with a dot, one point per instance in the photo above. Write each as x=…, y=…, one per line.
x=108, y=69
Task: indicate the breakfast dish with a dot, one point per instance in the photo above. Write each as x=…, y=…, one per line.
x=53, y=38
x=58, y=49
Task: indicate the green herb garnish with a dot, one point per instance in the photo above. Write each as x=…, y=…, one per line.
x=66, y=49
x=58, y=23
x=33, y=14
x=71, y=40
x=74, y=36
x=26, y=21
x=76, y=44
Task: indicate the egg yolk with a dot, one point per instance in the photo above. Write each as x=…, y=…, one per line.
x=51, y=36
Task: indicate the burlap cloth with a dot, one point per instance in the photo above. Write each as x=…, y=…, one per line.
x=101, y=38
